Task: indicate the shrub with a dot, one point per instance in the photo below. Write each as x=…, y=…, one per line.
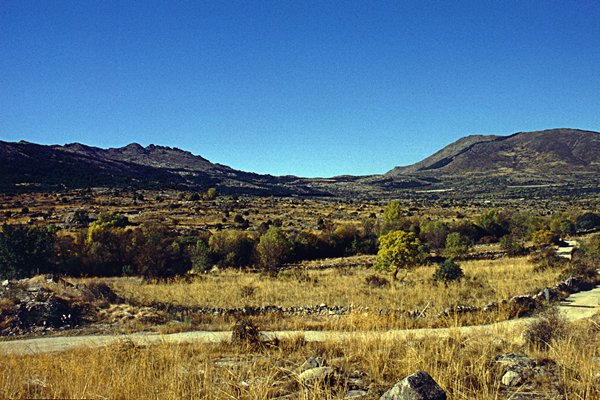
x=491, y=223
x=550, y=325
x=245, y=332
x=512, y=245
x=562, y=225
x=158, y=253
x=232, y=248
x=393, y=218
x=25, y=251
x=587, y=222
x=247, y=291
x=212, y=194
x=201, y=257
x=448, y=271
x=112, y=220
x=456, y=245
x=273, y=249
x=105, y=251
x=544, y=238
x=546, y=258
x=435, y=234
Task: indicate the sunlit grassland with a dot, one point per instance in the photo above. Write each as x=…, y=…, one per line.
x=464, y=365
x=369, y=307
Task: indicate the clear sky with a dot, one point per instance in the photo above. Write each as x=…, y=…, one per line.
x=310, y=88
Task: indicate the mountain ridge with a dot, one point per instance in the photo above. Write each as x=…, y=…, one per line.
x=474, y=163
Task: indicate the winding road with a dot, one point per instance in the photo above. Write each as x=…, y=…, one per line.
x=577, y=306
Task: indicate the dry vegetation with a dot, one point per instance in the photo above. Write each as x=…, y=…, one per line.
x=464, y=365
x=368, y=307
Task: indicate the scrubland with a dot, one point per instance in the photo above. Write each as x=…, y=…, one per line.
x=466, y=367
x=393, y=305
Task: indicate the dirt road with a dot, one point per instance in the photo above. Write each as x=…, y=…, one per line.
x=577, y=306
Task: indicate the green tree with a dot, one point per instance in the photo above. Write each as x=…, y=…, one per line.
x=544, y=238
x=112, y=220
x=456, y=245
x=587, y=222
x=398, y=250
x=25, y=250
x=158, y=253
x=273, y=249
x=232, y=248
x=392, y=217
x=561, y=224
x=493, y=223
x=201, y=257
x=434, y=233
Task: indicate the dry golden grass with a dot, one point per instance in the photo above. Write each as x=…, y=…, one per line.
x=464, y=365
x=486, y=281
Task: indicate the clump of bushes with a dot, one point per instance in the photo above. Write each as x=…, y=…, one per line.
x=246, y=333
x=448, y=271
x=550, y=325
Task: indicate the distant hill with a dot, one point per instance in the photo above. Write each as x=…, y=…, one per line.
x=554, y=152
x=473, y=164
x=27, y=165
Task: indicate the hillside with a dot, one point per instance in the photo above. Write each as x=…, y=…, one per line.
x=555, y=152
x=566, y=158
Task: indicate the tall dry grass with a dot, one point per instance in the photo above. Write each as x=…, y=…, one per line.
x=372, y=307
x=464, y=365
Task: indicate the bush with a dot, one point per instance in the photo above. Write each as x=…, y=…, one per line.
x=273, y=249
x=435, y=234
x=512, y=245
x=544, y=238
x=157, y=253
x=112, y=220
x=232, y=248
x=546, y=258
x=448, y=271
x=550, y=325
x=201, y=257
x=587, y=222
x=25, y=251
x=244, y=332
x=456, y=245
x=212, y=194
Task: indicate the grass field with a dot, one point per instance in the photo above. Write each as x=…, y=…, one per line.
x=369, y=307
x=464, y=366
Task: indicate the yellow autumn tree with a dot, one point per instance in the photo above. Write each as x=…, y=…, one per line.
x=398, y=250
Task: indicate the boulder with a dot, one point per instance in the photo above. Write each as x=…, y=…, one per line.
x=418, y=386
x=511, y=378
x=317, y=376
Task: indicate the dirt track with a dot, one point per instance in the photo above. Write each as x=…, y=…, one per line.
x=577, y=306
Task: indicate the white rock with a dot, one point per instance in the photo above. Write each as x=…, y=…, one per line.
x=511, y=378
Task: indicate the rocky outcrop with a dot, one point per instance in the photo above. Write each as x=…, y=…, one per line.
x=418, y=386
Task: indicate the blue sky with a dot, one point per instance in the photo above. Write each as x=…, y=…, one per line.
x=310, y=88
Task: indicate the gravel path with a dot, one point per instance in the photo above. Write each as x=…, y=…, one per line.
x=577, y=306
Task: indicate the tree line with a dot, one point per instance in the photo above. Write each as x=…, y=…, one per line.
x=111, y=246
